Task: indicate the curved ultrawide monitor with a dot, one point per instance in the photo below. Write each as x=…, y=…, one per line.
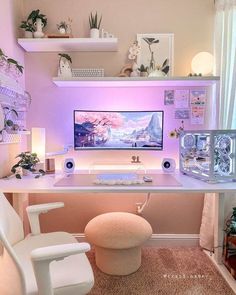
x=118, y=130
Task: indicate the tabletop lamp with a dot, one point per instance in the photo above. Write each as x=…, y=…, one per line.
x=202, y=64
x=38, y=145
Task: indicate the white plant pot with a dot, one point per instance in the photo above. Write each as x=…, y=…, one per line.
x=28, y=34
x=26, y=172
x=94, y=33
x=62, y=31
x=157, y=73
x=39, y=28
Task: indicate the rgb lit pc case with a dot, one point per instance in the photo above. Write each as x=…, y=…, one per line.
x=209, y=155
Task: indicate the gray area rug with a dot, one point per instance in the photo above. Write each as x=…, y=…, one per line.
x=165, y=271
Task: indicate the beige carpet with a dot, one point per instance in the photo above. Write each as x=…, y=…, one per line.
x=165, y=271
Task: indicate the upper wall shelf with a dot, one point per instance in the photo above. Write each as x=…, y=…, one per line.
x=68, y=44
x=135, y=81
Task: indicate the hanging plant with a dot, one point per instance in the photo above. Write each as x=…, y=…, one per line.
x=66, y=56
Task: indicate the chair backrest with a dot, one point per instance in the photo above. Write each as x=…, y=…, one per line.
x=11, y=231
x=10, y=223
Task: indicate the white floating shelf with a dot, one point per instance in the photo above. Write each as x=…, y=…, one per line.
x=20, y=132
x=134, y=81
x=7, y=142
x=68, y=44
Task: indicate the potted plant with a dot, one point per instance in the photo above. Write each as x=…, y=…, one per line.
x=28, y=27
x=27, y=163
x=143, y=71
x=39, y=21
x=230, y=227
x=94, y=24
x=62, y=27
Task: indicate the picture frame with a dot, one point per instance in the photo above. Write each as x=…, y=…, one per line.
x=162, y=47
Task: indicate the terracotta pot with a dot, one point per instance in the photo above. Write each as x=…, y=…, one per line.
x=143, y=74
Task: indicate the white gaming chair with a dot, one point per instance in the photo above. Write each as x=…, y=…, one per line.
x=40, y=264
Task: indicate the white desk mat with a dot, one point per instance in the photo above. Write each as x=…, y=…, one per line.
x=88, y=180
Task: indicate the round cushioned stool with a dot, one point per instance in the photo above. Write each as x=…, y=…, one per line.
x=117, y=237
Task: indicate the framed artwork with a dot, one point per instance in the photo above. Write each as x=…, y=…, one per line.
x=182, y=114
x=169, y=97
x=156, y=52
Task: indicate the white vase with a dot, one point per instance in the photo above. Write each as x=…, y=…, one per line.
x=135, y=72
x=94, y=33
x=39, y=28
x=26, y=172
x=28, y=34
x=62, y=31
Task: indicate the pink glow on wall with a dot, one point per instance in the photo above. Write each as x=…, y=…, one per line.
x=52, y=108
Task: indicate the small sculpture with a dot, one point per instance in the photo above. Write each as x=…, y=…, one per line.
x=62, y=27
x=135, y=159
x=65, y=62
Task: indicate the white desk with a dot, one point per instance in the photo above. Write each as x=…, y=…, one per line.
x=46, y=183
x=21, y=188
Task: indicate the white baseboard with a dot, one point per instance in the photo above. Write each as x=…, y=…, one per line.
x=173, y=240
x=163, y=240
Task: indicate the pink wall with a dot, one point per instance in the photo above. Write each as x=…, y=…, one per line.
x=10, y=17
x=52, y=107
x=167, y=213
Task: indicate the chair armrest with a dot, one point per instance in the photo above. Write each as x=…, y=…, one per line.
x=58, y=252
x=42, y=257
x=34, y=211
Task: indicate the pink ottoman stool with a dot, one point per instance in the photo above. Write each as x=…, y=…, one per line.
x=118, y=237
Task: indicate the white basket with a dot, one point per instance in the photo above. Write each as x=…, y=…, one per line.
x=10, y=138
x=87, y=72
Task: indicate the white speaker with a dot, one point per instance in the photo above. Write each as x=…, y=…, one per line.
x=68, y=165
x=168, y=165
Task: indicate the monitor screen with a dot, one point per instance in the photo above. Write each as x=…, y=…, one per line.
x=118, y=130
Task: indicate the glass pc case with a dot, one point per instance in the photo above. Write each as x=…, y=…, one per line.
x=209, y=155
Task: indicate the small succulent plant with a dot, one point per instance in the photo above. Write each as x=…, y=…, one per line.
x=62, y=25
x=142, y=68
